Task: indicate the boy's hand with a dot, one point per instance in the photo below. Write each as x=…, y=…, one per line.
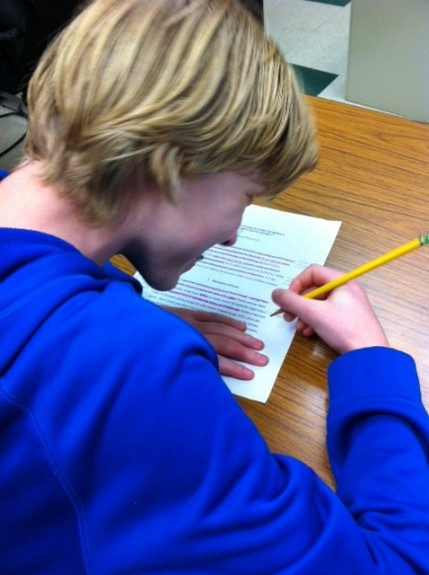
x=344, y=319
x=229, y=339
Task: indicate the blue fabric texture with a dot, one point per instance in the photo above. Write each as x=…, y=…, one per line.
x=123, y=452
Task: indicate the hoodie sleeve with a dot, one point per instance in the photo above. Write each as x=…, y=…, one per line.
x=378, y=443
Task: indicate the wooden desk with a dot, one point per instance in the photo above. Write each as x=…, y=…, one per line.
x=374, y=177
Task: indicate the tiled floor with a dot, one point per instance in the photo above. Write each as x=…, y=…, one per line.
x=12, y=131
x=314, y=36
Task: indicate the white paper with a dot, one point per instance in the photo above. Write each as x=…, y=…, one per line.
x=271, y=249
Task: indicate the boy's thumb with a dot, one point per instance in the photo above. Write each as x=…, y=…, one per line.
x=288, y=300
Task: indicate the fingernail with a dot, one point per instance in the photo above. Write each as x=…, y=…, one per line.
x=276, y=293
x=248, y=374
x=261, y=359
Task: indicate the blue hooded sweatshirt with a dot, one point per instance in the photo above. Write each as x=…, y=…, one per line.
x=123, y=452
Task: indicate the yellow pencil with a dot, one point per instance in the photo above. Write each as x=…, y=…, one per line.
x=380, y=261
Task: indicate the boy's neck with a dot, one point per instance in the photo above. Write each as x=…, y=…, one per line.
x=27, y=203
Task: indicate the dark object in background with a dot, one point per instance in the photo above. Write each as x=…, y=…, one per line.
x=26, y=27
x=256, y=7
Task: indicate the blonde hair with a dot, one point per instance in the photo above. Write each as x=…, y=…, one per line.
x=164, y=89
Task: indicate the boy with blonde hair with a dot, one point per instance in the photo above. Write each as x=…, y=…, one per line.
x=153, y=124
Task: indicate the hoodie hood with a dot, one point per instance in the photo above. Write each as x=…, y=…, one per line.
x=39, y=268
